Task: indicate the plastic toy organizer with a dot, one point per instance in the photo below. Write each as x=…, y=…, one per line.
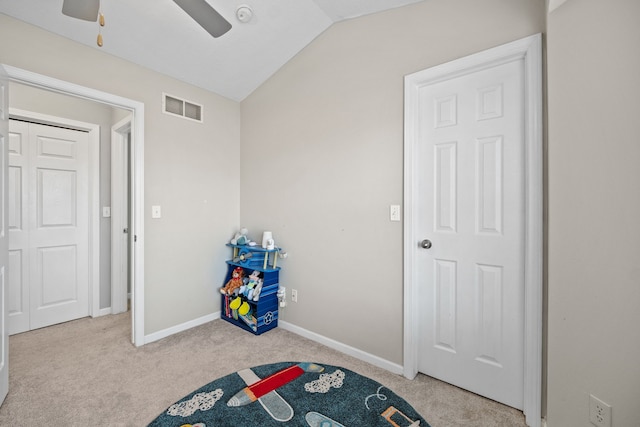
x=263, y=314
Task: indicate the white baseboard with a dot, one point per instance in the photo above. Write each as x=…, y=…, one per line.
x=102, y=312
x=343, y=348
x=180, y=328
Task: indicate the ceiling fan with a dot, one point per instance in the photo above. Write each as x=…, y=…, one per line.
x=199, y=10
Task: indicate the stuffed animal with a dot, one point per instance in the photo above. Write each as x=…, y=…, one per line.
x=256, y=291
x=249, y=284
x=241, y=237
x=234, y=283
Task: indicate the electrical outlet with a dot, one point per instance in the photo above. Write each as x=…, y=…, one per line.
x=294, y=295
x=599, y=412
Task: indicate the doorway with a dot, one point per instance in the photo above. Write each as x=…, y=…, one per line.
x=137, y=161
x=527, y=54
x=120, y=215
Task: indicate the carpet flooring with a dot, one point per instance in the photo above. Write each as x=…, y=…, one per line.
x=87, y=372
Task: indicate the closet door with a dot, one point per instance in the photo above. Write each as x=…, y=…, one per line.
x=18, y=233
x=49, y=238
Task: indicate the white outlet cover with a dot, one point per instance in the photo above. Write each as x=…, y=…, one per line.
x=599, y=412
x=394, y=212
x=156, y=212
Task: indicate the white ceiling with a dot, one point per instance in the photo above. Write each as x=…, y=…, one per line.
x=158, y=35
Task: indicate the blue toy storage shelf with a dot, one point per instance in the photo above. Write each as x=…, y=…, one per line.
x=263, y=314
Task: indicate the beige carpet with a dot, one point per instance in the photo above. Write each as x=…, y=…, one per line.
x=87, y=373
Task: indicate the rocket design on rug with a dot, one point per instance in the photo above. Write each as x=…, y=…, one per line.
x=264, y=390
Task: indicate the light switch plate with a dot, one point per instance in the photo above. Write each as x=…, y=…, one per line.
x=156, y=212
x=394, y=212
x=106, y=211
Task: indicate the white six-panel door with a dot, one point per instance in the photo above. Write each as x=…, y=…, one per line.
x=49, y=229
x=471, y=209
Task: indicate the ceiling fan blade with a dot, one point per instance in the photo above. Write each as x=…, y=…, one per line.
x=81, y=9
x=206, y=16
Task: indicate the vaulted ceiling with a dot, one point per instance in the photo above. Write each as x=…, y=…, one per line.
x=157, y=34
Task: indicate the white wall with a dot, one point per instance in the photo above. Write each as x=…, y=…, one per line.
x=594, y=210
x=322, y=158
x=191, y=169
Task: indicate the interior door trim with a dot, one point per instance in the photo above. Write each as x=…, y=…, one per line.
x=529, y=50
x=137, y=160
x=119, y=210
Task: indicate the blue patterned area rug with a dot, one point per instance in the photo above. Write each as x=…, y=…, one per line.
x=292, y=394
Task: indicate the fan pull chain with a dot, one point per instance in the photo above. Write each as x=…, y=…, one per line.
x=101, y=21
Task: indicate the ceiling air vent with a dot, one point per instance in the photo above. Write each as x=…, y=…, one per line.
x=179, y=107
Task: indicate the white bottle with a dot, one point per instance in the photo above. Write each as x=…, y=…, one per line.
x=266, y=236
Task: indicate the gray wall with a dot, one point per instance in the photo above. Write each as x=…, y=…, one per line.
x=322, y=158
x=594, y=210
x=41, y=101
x=191, y=169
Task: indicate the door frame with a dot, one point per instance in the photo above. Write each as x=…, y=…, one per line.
x=119, y=208
x=93, y=131
x=528, y=50
x=137, y=163
x=4, y=233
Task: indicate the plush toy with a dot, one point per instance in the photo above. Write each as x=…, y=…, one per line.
x=254, y=281
x=248, y=284
x=241, y=237
x=234, y=283
x=256, y=291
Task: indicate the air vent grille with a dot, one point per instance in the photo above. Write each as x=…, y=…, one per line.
x=182, y=108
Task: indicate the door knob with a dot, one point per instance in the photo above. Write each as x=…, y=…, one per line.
x=425, y=244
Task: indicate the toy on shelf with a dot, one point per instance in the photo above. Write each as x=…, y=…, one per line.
x=257, y=257
x=234, y=283
x=241, y=238
x=256, y=291
x=251, y=289
x=242, y=256
x=234, y=306
x=267, y=241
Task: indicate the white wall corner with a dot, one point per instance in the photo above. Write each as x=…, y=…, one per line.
x=554, y=4
x=180, y=328
x=343, y=348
